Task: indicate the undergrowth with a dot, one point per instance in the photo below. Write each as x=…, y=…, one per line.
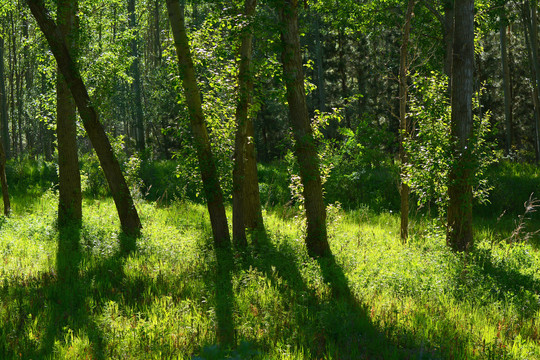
x=78, y=292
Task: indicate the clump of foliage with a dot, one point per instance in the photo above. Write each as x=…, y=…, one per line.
x=428, y=148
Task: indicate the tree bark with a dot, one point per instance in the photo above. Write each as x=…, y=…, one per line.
x=136, y=73
x=3, y=181
x=253, y=218
x=448, y=36
x=306, y=152
x=459, y=233
x=404, y=125
x=127, y=213
x=506, y=87
x=319, y=56
x=245, y=97
x=210, y=178
x=69, y=178
x=531, y=38
x=4, y=121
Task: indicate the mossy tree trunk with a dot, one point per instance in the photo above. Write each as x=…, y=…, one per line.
x=305, y=150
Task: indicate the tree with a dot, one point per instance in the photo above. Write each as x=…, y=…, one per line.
x=127, y=213
x=459, y=233
x=210, y=178
x=3, y=181
x=4, y=121
x=69, y=179
x=507, y=86
x=404, y=125
x=305, y=150
x=136, y=73
x=245, y=90
x=530, y=24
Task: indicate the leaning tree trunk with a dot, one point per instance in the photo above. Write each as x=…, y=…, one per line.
x=69, y=178
x=245, y=90
x=210, y=178
x=306, y=152
x=127, y=213
x=404, y=125
x=459, y=233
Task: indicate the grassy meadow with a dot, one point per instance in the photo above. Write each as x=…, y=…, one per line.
x=89, y=292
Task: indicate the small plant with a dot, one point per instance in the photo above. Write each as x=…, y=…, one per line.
x=520, y=233
x=428, y=148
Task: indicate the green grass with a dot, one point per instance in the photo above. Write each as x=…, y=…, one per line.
x=80, y=293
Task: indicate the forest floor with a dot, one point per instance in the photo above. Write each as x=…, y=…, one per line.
x=91, y=293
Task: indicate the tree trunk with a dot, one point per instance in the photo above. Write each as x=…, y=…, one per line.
x=245, y=91
x=69, y=178
x=404, y=125
x=343, y=77
x=530, y=27
x=136, y=73
x=506, y=86
x=459, y=234
x=210, y=178
x=319, y=56
x=253, y=218
x=306, y=152
x=127, y=213
x=448, y=36
x=3, y=181
x=4, y=121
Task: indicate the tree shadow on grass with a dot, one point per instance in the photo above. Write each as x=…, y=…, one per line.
x=58, y=303
x=504, y=279
x=332, y=325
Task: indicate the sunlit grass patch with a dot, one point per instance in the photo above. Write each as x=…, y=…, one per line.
x=75, y=293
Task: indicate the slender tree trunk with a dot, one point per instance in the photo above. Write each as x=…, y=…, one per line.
x=530, y=40
x=156, y=33
x=319, y=56
x=69, y=178
x=448, y=36
x=252, y=198
x=536, y=66
x=136, y=73
x=343, y=77
x=210, y=178
x=4, y=121
x=127, y=213
x=404, y=125
x=13, y=96
x=3, y=181
x=506, y=87
x=306, y=152
x=459, y=235
x=245, y=91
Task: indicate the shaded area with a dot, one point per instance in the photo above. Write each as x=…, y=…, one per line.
x=335, y=324
x=61, y=301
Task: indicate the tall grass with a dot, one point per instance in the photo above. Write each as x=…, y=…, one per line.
x=90, y=292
